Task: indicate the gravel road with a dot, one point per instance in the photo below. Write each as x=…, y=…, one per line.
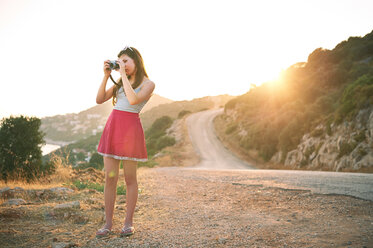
x=214, y=156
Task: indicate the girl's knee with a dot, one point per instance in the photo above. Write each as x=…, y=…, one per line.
x=111, y=177
x=130, y=181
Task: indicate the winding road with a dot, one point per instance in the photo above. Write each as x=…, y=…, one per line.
x=214, y=156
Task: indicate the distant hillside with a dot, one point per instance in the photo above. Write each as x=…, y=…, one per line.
x=63, y=129
x=173, y=109
x=318, y=116
x=82, y=149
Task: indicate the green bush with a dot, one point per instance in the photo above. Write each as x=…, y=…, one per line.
x=317, y=132
x=355, y=96
x=96, y=161
x=20, y=149
x=231, y=128
x=156, y=138
x=165, y=141
x=159, y=127
x=182, y=113
x=346, y=149
x=290, y=136
x=360, y=137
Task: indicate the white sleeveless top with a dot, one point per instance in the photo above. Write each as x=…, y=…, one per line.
x=123, y=103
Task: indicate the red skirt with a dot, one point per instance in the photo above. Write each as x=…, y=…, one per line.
x=123, y=137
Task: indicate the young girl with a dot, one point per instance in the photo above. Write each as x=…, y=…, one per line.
x=123, y=135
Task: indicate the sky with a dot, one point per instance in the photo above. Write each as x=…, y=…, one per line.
x=52, y=52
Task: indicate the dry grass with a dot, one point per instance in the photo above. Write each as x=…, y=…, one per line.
x=57, y=179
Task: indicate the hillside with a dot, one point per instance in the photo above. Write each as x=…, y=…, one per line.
x=319, y=115
x=65, y=129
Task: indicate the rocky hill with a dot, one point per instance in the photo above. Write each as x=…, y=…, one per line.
x=318, y=116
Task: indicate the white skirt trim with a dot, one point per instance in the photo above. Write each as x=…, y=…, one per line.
x=123, y=158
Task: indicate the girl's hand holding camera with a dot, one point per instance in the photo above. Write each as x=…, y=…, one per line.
x=122, y=68
x=107, y=70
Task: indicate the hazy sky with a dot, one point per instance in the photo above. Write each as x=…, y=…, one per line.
x=52, y=52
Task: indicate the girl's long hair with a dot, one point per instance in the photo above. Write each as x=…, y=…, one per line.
x=140, y=73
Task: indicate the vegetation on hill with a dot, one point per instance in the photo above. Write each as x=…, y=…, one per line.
x=331, y=87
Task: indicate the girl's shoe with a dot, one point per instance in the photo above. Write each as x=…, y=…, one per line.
x=103, y=232
x=127, y=231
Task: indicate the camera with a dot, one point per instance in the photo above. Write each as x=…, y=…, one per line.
x=113, y=64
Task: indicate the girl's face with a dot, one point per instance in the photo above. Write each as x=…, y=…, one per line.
x=130, y=66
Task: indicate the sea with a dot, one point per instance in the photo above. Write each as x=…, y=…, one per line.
x=48, y=148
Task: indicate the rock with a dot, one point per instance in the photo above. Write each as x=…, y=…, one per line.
x=67, y=206
x=92, y=201
x=366, y=161
x=294, y=158
x=16, y=202
x=63, y=245
x=370, y=125
x=61, y=190
x=79, y=218
x=346, y=147
x=5, y=192
x=14, y=213
x=276, y=158
x=120, y=207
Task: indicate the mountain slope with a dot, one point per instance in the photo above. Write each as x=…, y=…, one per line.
x=318, y=116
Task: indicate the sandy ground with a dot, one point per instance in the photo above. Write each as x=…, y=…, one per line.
x=180, y=208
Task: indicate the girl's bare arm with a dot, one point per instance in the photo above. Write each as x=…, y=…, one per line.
x=103, y=95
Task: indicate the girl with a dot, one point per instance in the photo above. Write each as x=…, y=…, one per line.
x=123, y=135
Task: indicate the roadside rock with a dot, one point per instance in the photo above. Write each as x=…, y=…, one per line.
x=14, y=202
x=67, y=206
x=346, y=147
x=7, y=192
x=61, y=190
x=63, y=245
x=12, y=213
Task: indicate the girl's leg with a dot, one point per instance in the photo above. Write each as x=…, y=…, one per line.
x=110, y=189
x=130, y=176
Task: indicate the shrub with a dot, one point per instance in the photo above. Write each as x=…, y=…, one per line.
x=360, y=137
x=20, y=149
x=317, y=132
x=231, y=128
x=165, y=141
x=355, y=96
x=346, y=149
x=96, y=161
x=290, y=136
x=182, y=113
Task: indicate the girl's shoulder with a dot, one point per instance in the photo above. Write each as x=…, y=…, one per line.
x=147, y=81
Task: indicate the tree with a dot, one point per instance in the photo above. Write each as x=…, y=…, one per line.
x=20, y=148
